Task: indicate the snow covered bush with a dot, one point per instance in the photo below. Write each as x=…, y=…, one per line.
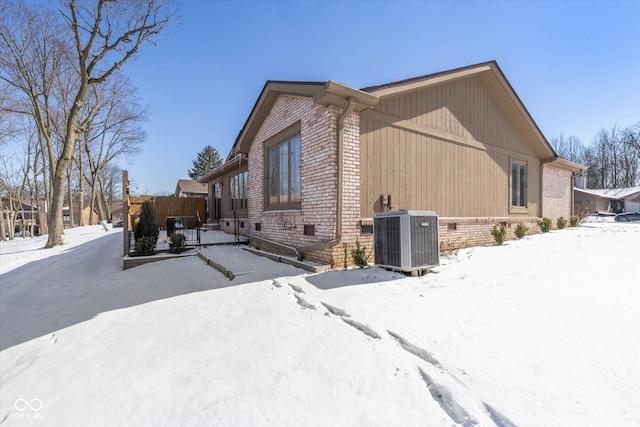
x=360, y=256
x=561, y=223
x=521, y=230
x=145, y=245
x=177, y=243
x=545, y=225
x=574, y=220
x=499, y=234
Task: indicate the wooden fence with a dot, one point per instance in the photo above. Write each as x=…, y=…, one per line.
x=166, y=206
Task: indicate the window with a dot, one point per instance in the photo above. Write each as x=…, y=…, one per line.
x=283, y=173
x=309, y=230
x=238, y=189
x=518, y=184
x=366, y=229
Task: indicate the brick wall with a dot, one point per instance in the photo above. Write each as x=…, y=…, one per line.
x=556, y=192
x=457, y=233
x=228, y=225
x=318, y=126
x=350, y=191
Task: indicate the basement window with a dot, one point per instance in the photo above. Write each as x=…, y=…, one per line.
x=309, y=230
x=366, y=229
x=452, y=226
x=258, y=226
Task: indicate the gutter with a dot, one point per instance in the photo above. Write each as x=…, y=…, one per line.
x=238, y=158
x=340, y=142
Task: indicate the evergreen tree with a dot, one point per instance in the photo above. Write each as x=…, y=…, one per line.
x=208, y=159
x=147, y=225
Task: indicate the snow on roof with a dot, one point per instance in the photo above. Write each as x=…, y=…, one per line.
x=191, y=186
x=611, y=193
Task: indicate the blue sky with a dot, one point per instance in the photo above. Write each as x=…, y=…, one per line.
x=575, y=65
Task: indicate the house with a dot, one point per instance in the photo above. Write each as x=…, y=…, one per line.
x=193, y=189
x=190, y=188
x=19, y=218
x=608, y=200
x=90, y=216
x=316, y=161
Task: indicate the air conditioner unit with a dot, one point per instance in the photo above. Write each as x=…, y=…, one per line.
x=406, y=240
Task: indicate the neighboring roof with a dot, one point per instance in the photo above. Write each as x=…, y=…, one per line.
x=190, y=186
x=611, y=193
x=490, y=74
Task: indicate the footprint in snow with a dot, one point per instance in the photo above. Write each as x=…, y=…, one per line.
x=296, y=288
x=498, y=417
x=335, y=310
x=302, y=303
x=416, y=351
x=362, y=328
x=446, y=401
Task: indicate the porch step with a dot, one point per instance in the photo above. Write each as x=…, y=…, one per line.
x=211, y=226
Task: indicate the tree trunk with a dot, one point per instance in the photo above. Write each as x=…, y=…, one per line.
x=93, y=201
x=103, y=205
x=81, y=187
x=56, y=225
x=71, y=218
x=3, y=231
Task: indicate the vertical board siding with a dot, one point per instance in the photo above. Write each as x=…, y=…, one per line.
x=165, y=206
x=424, y=172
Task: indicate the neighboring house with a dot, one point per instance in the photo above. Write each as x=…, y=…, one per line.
x=87, y=217
x=315, y=162
x=22, y=216
x=614, y=200
x=190, y=188
x=194, y=189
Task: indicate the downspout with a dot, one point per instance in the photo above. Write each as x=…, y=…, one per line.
x=340, y=160
x=574, y=174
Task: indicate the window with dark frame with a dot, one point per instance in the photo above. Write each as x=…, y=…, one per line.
x=309, y=230
x=283, y=178
x=518, y=184
x=366, y=229
x=238, y=191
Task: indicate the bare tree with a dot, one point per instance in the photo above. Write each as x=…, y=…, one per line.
x=16, y=188
x=630, y=155
x=613, y=158
x=112, y=130
x=95, y=41
x=570, y=147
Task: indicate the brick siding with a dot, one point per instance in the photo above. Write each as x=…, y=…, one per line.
x=556, y=192
x=318, y=178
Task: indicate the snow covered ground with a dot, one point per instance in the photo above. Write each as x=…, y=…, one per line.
x=539, y=332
